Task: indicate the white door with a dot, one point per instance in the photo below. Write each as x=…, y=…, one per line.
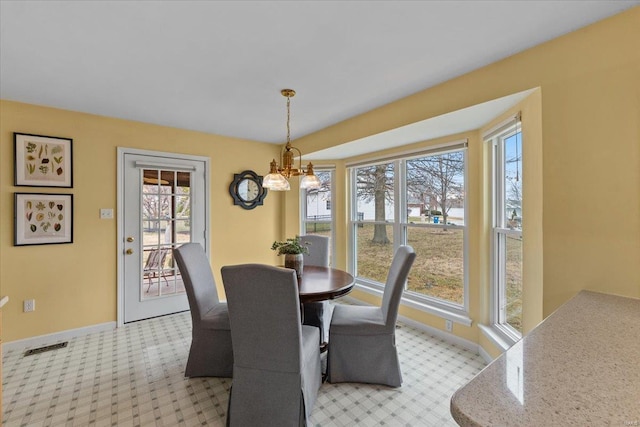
x=163, y=206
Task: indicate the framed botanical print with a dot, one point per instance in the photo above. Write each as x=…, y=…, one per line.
x=42, y=219
x=42, y=161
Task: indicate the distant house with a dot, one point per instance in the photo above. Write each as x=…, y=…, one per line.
x=319, y=205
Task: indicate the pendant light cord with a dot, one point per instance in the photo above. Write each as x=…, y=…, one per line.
x=288, y=119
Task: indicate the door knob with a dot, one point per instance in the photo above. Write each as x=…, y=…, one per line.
x=130, y=239
x=129, y=251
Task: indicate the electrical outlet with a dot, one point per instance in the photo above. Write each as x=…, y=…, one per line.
x=29, y=305
x=106, y=213
x=448, y=324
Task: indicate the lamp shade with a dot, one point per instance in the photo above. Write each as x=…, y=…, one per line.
x=275, y=182
x=310, y=182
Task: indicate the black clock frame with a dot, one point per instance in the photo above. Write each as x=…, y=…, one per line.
x=233, y=189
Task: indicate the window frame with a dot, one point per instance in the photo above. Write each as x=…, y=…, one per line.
x=502, y=332
x=458, y=313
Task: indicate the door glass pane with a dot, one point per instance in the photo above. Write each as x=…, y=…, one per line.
x=374, y=246
x=166, y=218
x=166, y=207
x=149, y=274
x=183, y=185
x=152, y=235
x=182, y=207
x=150, y=206
x=183, y=231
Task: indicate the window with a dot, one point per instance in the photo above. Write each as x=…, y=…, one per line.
x=316, y=208
x=417, y=200
x=507, y=230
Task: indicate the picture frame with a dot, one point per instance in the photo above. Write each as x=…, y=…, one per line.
x=42, y=219
x=42, y=161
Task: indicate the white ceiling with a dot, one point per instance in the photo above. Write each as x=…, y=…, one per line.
x=218, y=66
x=447, y=124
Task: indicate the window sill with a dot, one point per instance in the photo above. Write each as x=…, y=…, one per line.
x=500, y=339
x=441, y=310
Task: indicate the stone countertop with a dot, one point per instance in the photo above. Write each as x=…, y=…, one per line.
x=580, y=366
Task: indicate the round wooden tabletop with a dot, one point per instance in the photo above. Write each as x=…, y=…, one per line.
x=323, y=283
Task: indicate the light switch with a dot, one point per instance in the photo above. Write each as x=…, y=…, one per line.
x=106, y=213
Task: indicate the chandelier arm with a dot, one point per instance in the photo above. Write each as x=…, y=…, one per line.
x=299, y=159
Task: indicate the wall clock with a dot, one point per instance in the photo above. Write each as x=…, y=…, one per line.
x=246, y=189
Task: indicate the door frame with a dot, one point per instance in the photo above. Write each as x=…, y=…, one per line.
x=122, y=151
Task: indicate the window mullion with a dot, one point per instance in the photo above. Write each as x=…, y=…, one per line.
x=400, y=201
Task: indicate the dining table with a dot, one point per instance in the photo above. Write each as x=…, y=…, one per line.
x=323, y=283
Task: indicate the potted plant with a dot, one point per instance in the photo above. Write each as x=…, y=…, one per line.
x=293, y=251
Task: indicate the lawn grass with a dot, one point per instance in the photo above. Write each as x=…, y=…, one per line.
x=437, y=270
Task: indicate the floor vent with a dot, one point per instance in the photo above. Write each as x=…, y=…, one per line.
x=46, y=348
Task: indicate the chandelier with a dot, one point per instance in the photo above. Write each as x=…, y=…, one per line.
x=277, y=179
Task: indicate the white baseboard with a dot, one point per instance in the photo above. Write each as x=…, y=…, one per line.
x=56, y=337
x=445, y=336
x=486, y=356
x=450, y=338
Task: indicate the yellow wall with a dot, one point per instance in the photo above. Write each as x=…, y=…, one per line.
x=74, y=285
x=590, y=155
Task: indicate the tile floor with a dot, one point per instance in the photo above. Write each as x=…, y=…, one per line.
x=133, y=376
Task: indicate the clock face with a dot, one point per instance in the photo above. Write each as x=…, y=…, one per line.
x=246, y=190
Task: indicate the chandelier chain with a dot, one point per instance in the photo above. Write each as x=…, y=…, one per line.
x=288, y=119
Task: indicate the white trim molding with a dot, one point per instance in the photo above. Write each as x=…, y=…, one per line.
x=43, y=340
x=445, y=336
x=496, y=337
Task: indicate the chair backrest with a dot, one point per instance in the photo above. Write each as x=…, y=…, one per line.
x=318, y=250
x=156, y=259
x=198, y=279
x=398, y=273
x=264, y=312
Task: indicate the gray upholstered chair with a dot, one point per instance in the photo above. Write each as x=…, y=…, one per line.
x=276, y=369
x=317, y=313
x=362, y=340
x=211, y=354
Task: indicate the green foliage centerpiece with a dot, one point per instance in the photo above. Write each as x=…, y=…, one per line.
x=293, y=251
